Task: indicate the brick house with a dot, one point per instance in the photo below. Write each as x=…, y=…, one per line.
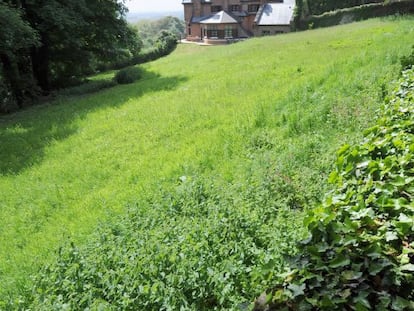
x=223, y=20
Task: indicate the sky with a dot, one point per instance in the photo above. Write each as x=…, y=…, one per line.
x=142, y=6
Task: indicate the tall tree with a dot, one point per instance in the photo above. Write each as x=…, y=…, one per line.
x=73, y=34
x=16, y=39
x=62, y=40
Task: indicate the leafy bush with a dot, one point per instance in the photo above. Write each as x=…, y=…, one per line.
x=166, y=42
x=360, y=252
x=408, y=61
x=128, y=75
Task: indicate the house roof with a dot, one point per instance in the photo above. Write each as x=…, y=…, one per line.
x=221, y=17
x=240, y=14
x=198, y=19
x=276, y=13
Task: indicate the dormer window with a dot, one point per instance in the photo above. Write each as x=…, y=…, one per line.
x=234, y=8
x=253, y=8
x=216, y=8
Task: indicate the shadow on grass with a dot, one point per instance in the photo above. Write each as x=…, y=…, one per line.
x=25, y=134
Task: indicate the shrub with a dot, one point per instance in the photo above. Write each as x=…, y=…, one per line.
x=166, y=43
x=128, y=75
x=360, y=252
x=407, y=61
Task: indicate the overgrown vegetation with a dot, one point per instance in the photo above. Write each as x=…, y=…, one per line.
x=197, y=174
x=188, y=249
x=407, y=61
x=360, y=251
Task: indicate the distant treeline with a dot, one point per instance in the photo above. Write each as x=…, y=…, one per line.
x=157, y=37
x=47, y=45
x=149, y=29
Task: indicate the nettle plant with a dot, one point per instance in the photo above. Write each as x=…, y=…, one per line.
x=360, y=253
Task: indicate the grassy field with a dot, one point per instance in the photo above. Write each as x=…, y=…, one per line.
x=267, y=110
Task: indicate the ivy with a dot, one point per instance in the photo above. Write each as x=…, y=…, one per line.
x=360, y=251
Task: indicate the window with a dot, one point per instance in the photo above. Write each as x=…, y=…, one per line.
x=234, y=8
x=253, y=8
x=228, y=32
x=212, y=31
x=266, y=33
x=215, y=8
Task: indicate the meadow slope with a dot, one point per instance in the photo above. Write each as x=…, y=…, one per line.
x=262, y=116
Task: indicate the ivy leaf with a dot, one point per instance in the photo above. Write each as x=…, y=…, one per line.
x=405, y=224
x=398, y=181
x=376, y=267
x=361, y=302
x=340, y=261
x=408, y=267
x=351, y=275
x=400, y=304
x=297, y=290
x=391, y=236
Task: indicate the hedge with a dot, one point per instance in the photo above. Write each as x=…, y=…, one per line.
x=358, y=13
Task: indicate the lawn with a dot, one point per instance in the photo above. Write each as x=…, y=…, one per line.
x=233, y=119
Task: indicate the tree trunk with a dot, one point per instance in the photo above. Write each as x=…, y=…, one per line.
x=40, y=63
x=12, y=77
x=39, y=55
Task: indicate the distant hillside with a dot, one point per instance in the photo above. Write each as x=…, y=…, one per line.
x=133, y=17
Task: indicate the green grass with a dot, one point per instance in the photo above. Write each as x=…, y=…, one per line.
x=268, y=108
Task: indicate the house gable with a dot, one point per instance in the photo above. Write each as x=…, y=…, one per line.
x=221, y=17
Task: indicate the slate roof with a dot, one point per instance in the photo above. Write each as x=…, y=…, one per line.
x=276, y=13
x=221, y=17
x=197, y=19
